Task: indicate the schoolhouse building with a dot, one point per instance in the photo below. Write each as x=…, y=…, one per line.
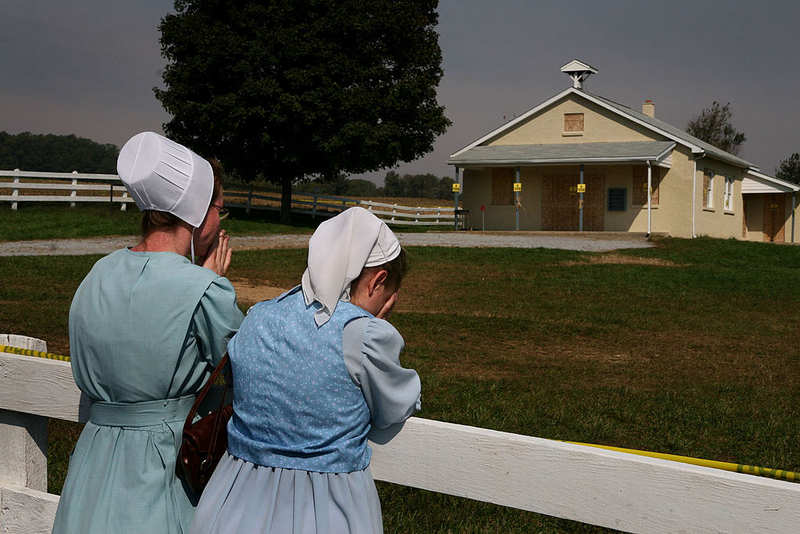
x=582, y=162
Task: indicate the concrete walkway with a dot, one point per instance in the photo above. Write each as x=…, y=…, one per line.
x=586, y=241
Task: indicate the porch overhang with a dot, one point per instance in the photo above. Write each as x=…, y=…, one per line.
x=755, y=182
x=656, y=152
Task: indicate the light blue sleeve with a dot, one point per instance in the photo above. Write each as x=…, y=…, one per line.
x=217, y=319
x=372, y=355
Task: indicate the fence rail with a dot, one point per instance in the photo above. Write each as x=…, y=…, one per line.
x=109, y=188
x=586, y=484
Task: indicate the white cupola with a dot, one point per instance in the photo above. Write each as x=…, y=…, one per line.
x=578, y=71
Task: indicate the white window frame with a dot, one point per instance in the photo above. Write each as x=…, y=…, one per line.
x=728, y=199
x=710, y=191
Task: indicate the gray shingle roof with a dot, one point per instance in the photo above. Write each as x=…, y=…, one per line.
x=563, y=153
x=680, y=134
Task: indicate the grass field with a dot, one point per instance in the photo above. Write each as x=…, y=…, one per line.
x=43, y=220
x=689, y=348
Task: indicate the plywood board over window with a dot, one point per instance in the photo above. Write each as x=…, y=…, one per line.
x=503, y=186
x=560, y=203
x=640, y=185
x=774, y=217
x=573, y=122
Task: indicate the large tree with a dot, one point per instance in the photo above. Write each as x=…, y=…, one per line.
x=285, y=90
x=789, y=169
x=713, y=125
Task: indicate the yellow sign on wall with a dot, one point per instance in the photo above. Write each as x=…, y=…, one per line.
x=581, y=188
x=456, y=187
x=517, y=187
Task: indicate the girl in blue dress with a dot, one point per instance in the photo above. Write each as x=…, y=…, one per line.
x=313, y=371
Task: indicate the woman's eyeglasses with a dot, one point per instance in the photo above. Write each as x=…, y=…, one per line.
x=223, y=212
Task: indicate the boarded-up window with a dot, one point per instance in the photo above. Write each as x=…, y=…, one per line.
x=616, y=199
x=503, y=186
x=640, y=185
x=573, y=122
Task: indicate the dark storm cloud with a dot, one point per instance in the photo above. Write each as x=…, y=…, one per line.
x=88, y=66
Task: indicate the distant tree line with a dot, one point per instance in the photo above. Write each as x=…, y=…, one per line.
x=407, y=186
x=56, y=153
x=417, y=186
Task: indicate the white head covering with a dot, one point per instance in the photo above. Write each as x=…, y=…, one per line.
x=162, y=175
x=337, y=253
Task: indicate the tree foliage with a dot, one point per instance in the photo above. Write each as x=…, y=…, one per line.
x=291, y=89
x=789, y=169
x=713, y=125
x=56, y=153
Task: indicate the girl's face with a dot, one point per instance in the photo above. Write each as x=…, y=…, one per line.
x=372, y=294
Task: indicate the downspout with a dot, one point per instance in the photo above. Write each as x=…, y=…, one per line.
x=649, y=196
x=794, y=203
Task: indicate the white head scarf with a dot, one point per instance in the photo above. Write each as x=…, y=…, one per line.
x=337, y=253
x=162, y=175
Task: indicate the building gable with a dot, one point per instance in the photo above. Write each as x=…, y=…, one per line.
x=573, y=119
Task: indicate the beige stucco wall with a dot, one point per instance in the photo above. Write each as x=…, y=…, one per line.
x=666, y=217
x=599, y=124
x=717, y=221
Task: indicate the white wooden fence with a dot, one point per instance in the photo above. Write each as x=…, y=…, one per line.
x=586, y=484
x=78, y=187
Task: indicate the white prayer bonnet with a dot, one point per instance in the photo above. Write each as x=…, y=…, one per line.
x=338, y=251
x=162, y=175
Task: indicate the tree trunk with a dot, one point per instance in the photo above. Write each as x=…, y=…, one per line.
x=286, y=201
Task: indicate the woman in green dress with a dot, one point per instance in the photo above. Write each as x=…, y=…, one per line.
x=146, y=327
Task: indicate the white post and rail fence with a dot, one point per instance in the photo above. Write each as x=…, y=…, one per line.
x=596, y=486
x=27, y=186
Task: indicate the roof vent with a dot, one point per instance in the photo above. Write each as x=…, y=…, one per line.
x=578, y=71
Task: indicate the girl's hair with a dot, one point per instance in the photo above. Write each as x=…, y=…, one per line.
x=153, y=220
x=396, y=270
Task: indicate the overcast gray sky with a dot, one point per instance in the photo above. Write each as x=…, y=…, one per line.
x=87, y=67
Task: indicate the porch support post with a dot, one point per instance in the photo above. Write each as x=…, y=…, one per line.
x=794, y=204
x=580, y=204
x=649, y=194
x=516, y=200
x=455, y=207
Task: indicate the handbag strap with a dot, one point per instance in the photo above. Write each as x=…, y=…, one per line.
x=203, y=392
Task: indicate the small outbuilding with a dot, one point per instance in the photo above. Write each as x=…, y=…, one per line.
x=581, y=162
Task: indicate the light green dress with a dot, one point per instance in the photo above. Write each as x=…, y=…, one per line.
x=146, y=329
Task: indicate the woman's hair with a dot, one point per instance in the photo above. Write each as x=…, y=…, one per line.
x=153, y=220
x=396, y=270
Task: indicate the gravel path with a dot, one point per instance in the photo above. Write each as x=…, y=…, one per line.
x=594, y=242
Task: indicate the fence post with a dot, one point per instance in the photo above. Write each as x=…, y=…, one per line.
x=124, y=206
x=394, y=210
x=15, y=192
x=74, y=192
x=416, y=219
x=24, y=436
x=314, y=205
x=249, y=200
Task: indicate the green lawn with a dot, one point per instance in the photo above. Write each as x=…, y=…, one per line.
x=59, y=221
x=689, y=348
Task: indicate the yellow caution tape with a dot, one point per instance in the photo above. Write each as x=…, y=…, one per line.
x=726, y=466
x=36, y=353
